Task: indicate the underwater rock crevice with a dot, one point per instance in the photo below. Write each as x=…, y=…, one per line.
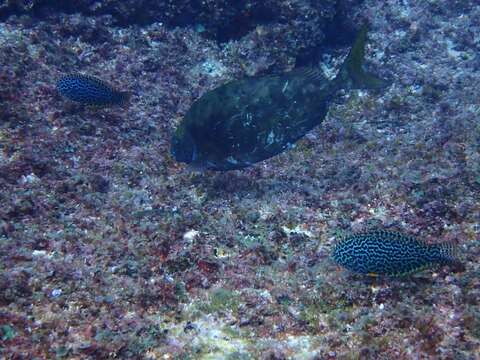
x=219, y=20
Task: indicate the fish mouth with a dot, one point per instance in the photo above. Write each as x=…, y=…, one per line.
x=184, y=150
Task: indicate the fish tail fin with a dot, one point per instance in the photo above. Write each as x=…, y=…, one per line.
x=352, y=72
x=124, y=98
x=448, y=255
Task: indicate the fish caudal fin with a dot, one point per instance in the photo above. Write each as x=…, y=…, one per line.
x=352, y=72
x=448, y=255
x=124, y=97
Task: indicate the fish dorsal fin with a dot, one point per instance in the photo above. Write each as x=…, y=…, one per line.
x=309, y=73
x=396, y=235
x=376, y=231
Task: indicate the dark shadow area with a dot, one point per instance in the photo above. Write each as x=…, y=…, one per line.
x=338, y=32
x=220, y=20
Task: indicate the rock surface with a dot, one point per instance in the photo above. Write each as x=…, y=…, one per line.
x=109, y=248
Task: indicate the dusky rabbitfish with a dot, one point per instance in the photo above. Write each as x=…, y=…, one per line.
x=380, y=252
x=246, y=121
x=90, y=90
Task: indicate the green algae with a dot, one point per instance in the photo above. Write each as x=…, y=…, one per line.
x=472, y=322
x=8, y=332
x=213, y=338
x=318, y=306
x=220, y=300
x=62, y=352
x=318, y=310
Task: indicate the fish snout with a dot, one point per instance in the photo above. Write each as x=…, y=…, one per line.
x=183, y=149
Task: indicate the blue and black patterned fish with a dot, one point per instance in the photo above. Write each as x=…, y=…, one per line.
x=382, y=252
x=90, y=90
x=250, y=120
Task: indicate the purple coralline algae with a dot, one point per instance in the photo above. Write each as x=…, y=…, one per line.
x=111, y=249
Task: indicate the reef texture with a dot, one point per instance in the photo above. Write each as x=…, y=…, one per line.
x=221, y=19
x=110, y=249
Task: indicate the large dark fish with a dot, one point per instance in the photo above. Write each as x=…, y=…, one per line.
x=250, y=120
x=390, y=253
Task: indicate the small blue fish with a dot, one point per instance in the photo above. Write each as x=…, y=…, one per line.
x=382, y=252
x=90, y=90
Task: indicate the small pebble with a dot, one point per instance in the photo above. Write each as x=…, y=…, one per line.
x=56, y=292
x=190, y=235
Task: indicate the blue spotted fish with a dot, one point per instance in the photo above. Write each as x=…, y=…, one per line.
x=382, y=252
x=90, y=90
